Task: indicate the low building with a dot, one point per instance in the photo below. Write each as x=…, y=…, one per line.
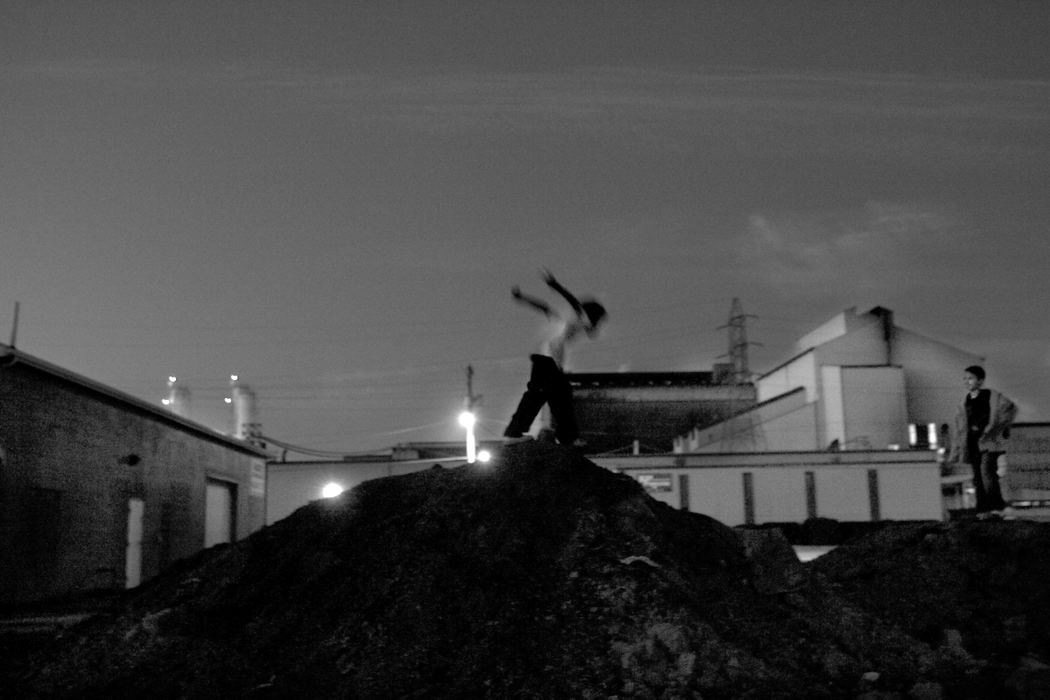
x=101, y=490
x=792, y=487
x=737, y=489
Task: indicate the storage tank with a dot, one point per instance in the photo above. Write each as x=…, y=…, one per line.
x=245, y=420
x=178, y=401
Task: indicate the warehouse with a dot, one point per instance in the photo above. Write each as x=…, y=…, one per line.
x=100, y=490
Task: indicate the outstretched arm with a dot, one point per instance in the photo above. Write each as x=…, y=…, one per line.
x=565, y=293
x=531, y=301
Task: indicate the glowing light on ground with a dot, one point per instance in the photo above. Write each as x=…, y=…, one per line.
x=331, y=490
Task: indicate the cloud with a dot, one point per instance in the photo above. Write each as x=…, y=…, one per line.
x=846, y=246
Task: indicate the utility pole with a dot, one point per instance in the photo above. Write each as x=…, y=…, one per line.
x=468, y=419
x=14, y=328
x=738, y=342
x=472, y=400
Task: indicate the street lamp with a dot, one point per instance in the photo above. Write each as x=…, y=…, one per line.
x=467, y=419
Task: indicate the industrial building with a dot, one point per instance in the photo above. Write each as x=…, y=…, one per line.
x=100, y=490
x=857, y=382
x=849, y=428
x=740, y=489
x=644, y=412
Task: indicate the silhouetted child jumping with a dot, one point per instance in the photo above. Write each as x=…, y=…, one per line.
x=547, y=382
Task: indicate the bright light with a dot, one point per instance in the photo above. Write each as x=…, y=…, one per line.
x=171, y=379
x=233, y=377
x=166, y=402
x=484, y=456
x=331, y=490
x=228, y=400
x=467, y=420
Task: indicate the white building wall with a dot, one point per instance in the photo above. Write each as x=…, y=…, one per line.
x=791, y=432
x=874, y=408
x=906, y=494
x=718, y=494
x=842, y=493
x=834, y=424
x=799, y=372
x=780, y=495
x=834, y=327
x=908, y=484
x=933, y=374
x=863, y=346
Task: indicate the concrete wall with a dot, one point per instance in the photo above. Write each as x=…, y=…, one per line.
x=785, y=424
x=739, y=489
x=864, y=345
x=874, y=407
x=73, y=459
x=733, y=488
x=800, y=371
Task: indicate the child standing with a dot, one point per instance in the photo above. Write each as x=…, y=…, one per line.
x=547, y=382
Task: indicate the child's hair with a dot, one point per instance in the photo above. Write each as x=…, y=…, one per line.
x=594, y=311
x=975, y=370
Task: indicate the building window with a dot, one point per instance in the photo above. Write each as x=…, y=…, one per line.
x=923, y=436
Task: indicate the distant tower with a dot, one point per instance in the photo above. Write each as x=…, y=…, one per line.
x=245, y=423
x=742, y=433
x=741, y=371
x=178, y=401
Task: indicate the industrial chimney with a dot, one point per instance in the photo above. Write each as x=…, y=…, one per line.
x=245, y=422
x=178, y=401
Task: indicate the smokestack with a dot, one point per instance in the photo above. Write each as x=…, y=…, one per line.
x=245, y=422
x=178, y=401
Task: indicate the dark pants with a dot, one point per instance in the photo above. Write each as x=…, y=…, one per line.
x=547, y=385
x=986, y=480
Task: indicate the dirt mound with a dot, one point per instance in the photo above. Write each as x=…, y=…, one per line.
x=977, y=591
x=539, y=576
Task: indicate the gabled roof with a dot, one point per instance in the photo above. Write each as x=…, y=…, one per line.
x=10, y=356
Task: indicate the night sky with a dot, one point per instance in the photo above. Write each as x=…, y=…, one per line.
x=333, y=199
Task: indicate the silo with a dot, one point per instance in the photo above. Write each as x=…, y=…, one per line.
x=178, y=401
x=245, y=422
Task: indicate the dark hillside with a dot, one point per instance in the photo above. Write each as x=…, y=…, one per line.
x=539, y=576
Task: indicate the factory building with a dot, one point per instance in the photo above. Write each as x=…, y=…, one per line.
x=643, y=412
x=857, y=382
x=100, y=490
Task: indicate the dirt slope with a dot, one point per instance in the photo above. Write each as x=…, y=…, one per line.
x=545, y=576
